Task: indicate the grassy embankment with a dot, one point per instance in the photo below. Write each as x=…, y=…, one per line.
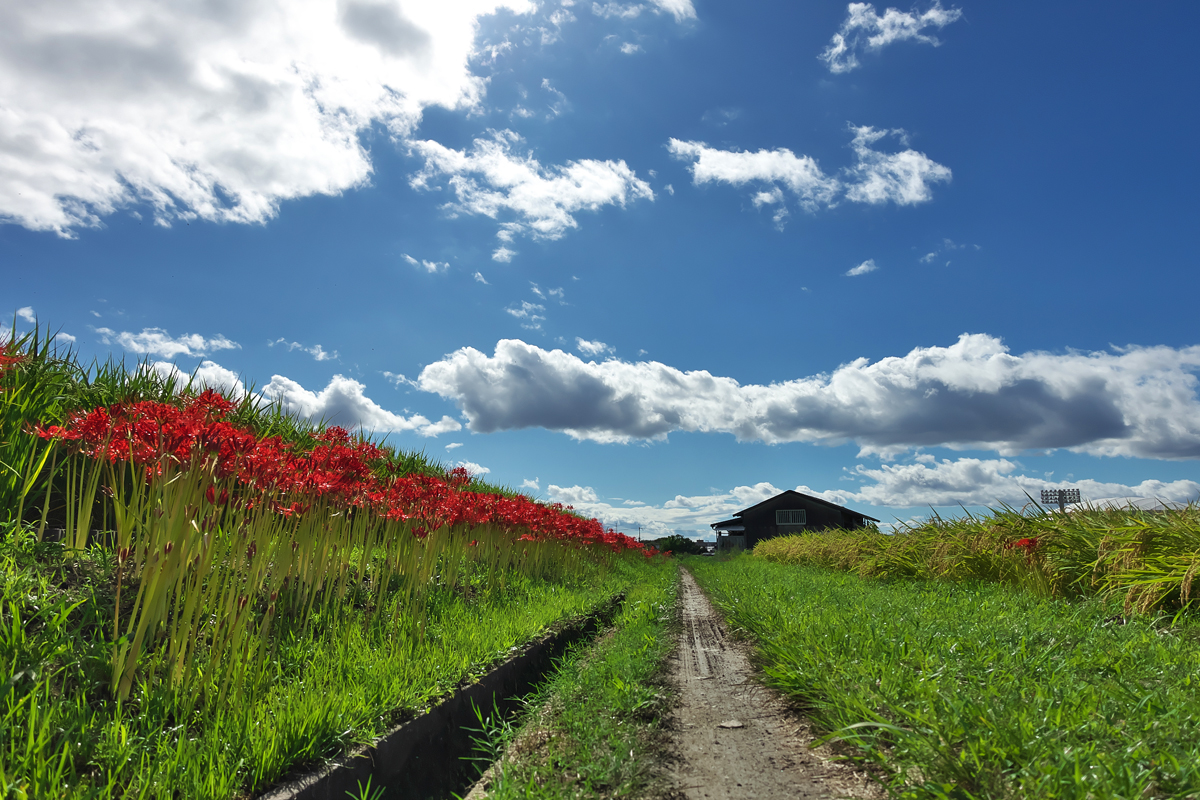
x=594, y=728
x=287, y=590
x=989, y=658
x=1149, y=559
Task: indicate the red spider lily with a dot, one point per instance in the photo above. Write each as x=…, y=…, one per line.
x=339, y=471
x=1028, y=544
x=10, y=358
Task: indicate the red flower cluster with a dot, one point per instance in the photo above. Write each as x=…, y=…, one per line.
x=10, y=357
x=1029, y=545
x=339, y=471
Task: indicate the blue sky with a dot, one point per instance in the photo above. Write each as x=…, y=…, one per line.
x=659, y=260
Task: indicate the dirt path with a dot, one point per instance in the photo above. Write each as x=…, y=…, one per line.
x=734, y=738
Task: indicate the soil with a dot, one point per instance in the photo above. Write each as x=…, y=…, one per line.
x=735, y=739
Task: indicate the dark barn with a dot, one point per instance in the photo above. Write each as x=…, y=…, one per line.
x=787, y=512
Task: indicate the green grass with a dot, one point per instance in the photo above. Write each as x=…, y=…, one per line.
x=322, y=690
x=594, y=729
x=1151, y=560
x=974, y=689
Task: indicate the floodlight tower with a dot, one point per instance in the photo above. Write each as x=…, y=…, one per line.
x=1060, y=496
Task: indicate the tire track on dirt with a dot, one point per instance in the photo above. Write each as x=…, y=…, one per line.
x=735, y=739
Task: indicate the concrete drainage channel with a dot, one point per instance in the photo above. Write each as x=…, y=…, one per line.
x=423, y=759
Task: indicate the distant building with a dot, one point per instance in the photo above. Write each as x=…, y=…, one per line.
x=787, y=512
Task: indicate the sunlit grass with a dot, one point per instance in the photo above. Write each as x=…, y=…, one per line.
x=977, y=690
x=1150, y=559
x=331, y=686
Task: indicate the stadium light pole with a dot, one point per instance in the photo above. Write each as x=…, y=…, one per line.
x=1060, y=496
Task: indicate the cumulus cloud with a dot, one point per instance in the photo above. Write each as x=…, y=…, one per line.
x=492, y=180
x=454, y=445
x=864, y=28
x=967, y=482
x=503, y=254
x=344, y=402
x=209, y=375
x=157, y=342
x=572, y=495
x=903, y=178
x=472, y=467
x=863, y=268
x=973, y=394
x=799, y=174
x=686, y=514
x=988, y=482
x=26, y=313
x=215, y=111
x=591, y=348
x=531, y=484
x=629, y=48
x=316, y=351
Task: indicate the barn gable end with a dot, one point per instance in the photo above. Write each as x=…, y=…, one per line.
x=785, y=513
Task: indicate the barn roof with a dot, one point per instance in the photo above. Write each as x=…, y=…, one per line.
x=807, y=497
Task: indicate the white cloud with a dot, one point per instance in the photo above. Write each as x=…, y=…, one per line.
x=64, y=338
x=800, y=174
x=344, y=402
x=989, y=482
x=974, y=394
x=591, y=348
x=689, y=514
x=864, y=28
x=398, y=379
x=528, y=312
x=610, y=10
x=208, y=375
x=316, y=351
x=629, y=48
x=539, y=202
x=903, y=178
x=531, y=484
x=473, y=468
x=214, y=111
x=503, y=255
x=26, y=313
x=480, y=279
x=432, y=267
x=156, y=341
x=560, y=105
x=863, y=268
x=947, y=246
x=680, y=9
x=454, y=445
x=571, y=495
